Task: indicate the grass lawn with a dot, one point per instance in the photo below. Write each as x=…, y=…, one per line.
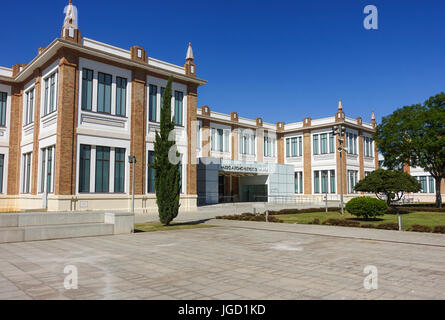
x=157, y=226
x=423, y=218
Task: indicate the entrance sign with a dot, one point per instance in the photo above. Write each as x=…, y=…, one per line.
x=231, y=166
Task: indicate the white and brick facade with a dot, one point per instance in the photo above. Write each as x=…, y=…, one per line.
x=70, y=118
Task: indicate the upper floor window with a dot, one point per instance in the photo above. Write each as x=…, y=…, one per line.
x=121, y=96
x=269, y=146
x=247, y=143
x=427, y=184
x=50, y=94
x=351, y=143
x=87, y=89
x=104, y=92
x=153, y=102
x=29, y=107
x=219, y=140
x=367, y=146
x=323, y=143
x=179, y=97
x=3, y=100
x=294, y=147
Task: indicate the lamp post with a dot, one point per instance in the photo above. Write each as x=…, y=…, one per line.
x=340, y=131
x=132, y=160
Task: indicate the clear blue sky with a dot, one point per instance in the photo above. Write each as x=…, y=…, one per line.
x=279, y=60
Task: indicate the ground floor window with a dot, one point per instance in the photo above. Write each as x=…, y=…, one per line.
x=299, y=182
x=26, y=172
x=47, y=170
x=106, y=165
x=2, y=164
x=151, y=173
x=427, y=184
x=324, y=181
x=352, y=180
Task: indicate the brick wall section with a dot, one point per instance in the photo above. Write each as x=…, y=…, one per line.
x=235, y=142
x=205, y=138
x=64, y=175
x=307, y=160
x=138, y=131
x=192, y=100
x=442, y=187
x=259, y=145
x=15, y=135
x=280, y=146
x=35, y=151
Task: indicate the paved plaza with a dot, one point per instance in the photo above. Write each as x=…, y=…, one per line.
x=236, y=260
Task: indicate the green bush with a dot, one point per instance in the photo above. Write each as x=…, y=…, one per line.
x=439, y=229
x=388, y=226
x=250, y=217
x=366, y=207
x=369, y=225
x=419, y=228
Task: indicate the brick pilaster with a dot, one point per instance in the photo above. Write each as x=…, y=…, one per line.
x=15, y=135
x=205, y=138
x=344, y=156
x=442, y=187
x=235, y=142
x=35, y=151
x=64, y=175
x=361, y=155
x=260, y=145
x=138, y=130
x=280, y=148
x=192, y=100
x=307, y=162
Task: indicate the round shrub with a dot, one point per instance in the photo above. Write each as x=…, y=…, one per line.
x=366, y=207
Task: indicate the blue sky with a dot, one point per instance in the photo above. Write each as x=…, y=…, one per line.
x=279, y=60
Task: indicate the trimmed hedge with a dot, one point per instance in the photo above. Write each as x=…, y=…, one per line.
x=439, y=229
x=309, y=210
x=366, y=207
x=250, y=217
x=342, y=223
x=388, y=226
x=419, y=228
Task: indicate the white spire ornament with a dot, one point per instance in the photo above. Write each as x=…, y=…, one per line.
x=340, y=106
x=70, y=21
x=372, y=116
x=189, y=53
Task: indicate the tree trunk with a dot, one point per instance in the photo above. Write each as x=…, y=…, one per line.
x=438, y=195
x=388, y=199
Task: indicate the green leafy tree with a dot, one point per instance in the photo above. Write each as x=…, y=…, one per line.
x=166, y=163
x=389, y=185
x=366, y=207
x=416, y=135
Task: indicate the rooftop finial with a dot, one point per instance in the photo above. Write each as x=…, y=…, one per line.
x=340, y=106
x=189, y=52
x=70, y=16
x=372, y=116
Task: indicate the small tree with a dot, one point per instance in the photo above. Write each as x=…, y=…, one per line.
x=366, y=207
x=167, y=174
x=389, y=185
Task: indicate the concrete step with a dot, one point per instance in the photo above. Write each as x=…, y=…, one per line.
x=59, y=231
x=49, y=218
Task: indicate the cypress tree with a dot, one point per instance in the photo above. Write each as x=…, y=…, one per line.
x=167, y=174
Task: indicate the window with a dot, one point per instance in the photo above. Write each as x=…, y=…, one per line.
x=298, y=182
x=352, y=180
x=26, y=185
x=151, y=174
x=29, y=107
x=179, y=96
x=212, y=139
x=220, y=133
x=332, y=180
x=121, y=96
x=119, y=170
x=300, y=146
x=431, y=181
x=324, y=143
x=316, y=181
x=104, y=93
x=2, y=165
x=269, y=146
x=294, y=147
x=46, y=170
x=351, y=143
x=3, y=99
x=152, y=103
x=87, y=89
x=50, y=95
x=324, y=181
x=162, y=97
x=315, y=142
x=180, y=174
x=247, y=142
x=367, y=146
x=84, y=168
x=102, y=169
x=226, y=140
x=331, y=143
